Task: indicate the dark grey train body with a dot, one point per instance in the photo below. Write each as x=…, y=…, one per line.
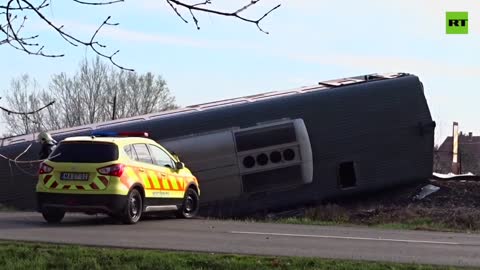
x=334, y=139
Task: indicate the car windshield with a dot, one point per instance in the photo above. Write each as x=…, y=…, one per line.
x=85, y=152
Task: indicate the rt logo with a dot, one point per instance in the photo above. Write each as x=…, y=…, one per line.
x=457, y=22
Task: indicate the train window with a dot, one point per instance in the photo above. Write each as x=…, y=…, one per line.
x=346, y=175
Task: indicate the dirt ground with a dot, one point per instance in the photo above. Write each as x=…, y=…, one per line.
x=455, y=206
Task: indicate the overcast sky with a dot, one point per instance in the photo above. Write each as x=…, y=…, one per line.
x=309, y=41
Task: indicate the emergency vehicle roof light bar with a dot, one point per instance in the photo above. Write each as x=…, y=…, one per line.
x=119, y=134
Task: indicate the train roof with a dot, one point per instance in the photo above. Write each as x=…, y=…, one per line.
x=211, y=105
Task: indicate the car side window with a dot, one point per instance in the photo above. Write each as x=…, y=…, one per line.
x=160, y=157
x=143, y=155
x=130, y=152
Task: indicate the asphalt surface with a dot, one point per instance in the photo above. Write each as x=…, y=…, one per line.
x=249, y=238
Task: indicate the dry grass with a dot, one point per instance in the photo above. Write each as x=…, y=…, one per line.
x=456, y=207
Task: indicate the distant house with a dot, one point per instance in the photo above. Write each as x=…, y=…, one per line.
x=469, y=154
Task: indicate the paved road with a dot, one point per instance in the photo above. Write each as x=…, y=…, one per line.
x=249, y=238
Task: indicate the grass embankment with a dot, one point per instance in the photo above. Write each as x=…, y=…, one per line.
x=455, y=207
x=424, y=224
x=14, y=255
x=400, y=219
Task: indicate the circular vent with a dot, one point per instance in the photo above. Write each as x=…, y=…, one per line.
x=275, y=157
x=262, y=159
x=248, y=162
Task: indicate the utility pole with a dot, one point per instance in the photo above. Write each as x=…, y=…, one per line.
x=456, y=167
x=114, y=105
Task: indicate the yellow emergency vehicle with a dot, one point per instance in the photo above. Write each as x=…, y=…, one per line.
x=120, y=174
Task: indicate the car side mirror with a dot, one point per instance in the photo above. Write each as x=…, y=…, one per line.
x=179, y=165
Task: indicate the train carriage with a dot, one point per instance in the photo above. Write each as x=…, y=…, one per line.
x=278, y=149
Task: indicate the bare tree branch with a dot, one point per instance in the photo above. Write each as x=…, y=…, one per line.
x=98, y=3
x=44, y=4
x=26, y=113
x=12, y=25
x=236, y=14
x=176, y=11
x=20, y=43
x=83, y=98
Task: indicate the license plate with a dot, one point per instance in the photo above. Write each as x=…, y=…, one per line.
x=74, y=176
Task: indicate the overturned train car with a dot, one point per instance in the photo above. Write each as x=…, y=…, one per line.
x=277, y=149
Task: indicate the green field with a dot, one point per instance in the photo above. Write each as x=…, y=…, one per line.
x=15, y=255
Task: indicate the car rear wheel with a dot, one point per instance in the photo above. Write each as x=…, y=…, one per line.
x=53, y=215
x=191, y=204
x=134, y=208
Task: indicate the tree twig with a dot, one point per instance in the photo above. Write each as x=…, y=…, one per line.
x=13, y=38
x=26, y=113
x=11, y=28
x=236, y=14
x=98, y=3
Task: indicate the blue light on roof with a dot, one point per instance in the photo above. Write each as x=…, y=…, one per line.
x=104, y=134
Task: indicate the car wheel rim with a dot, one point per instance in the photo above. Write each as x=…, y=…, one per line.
x=134, y=206
x=190, y=204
